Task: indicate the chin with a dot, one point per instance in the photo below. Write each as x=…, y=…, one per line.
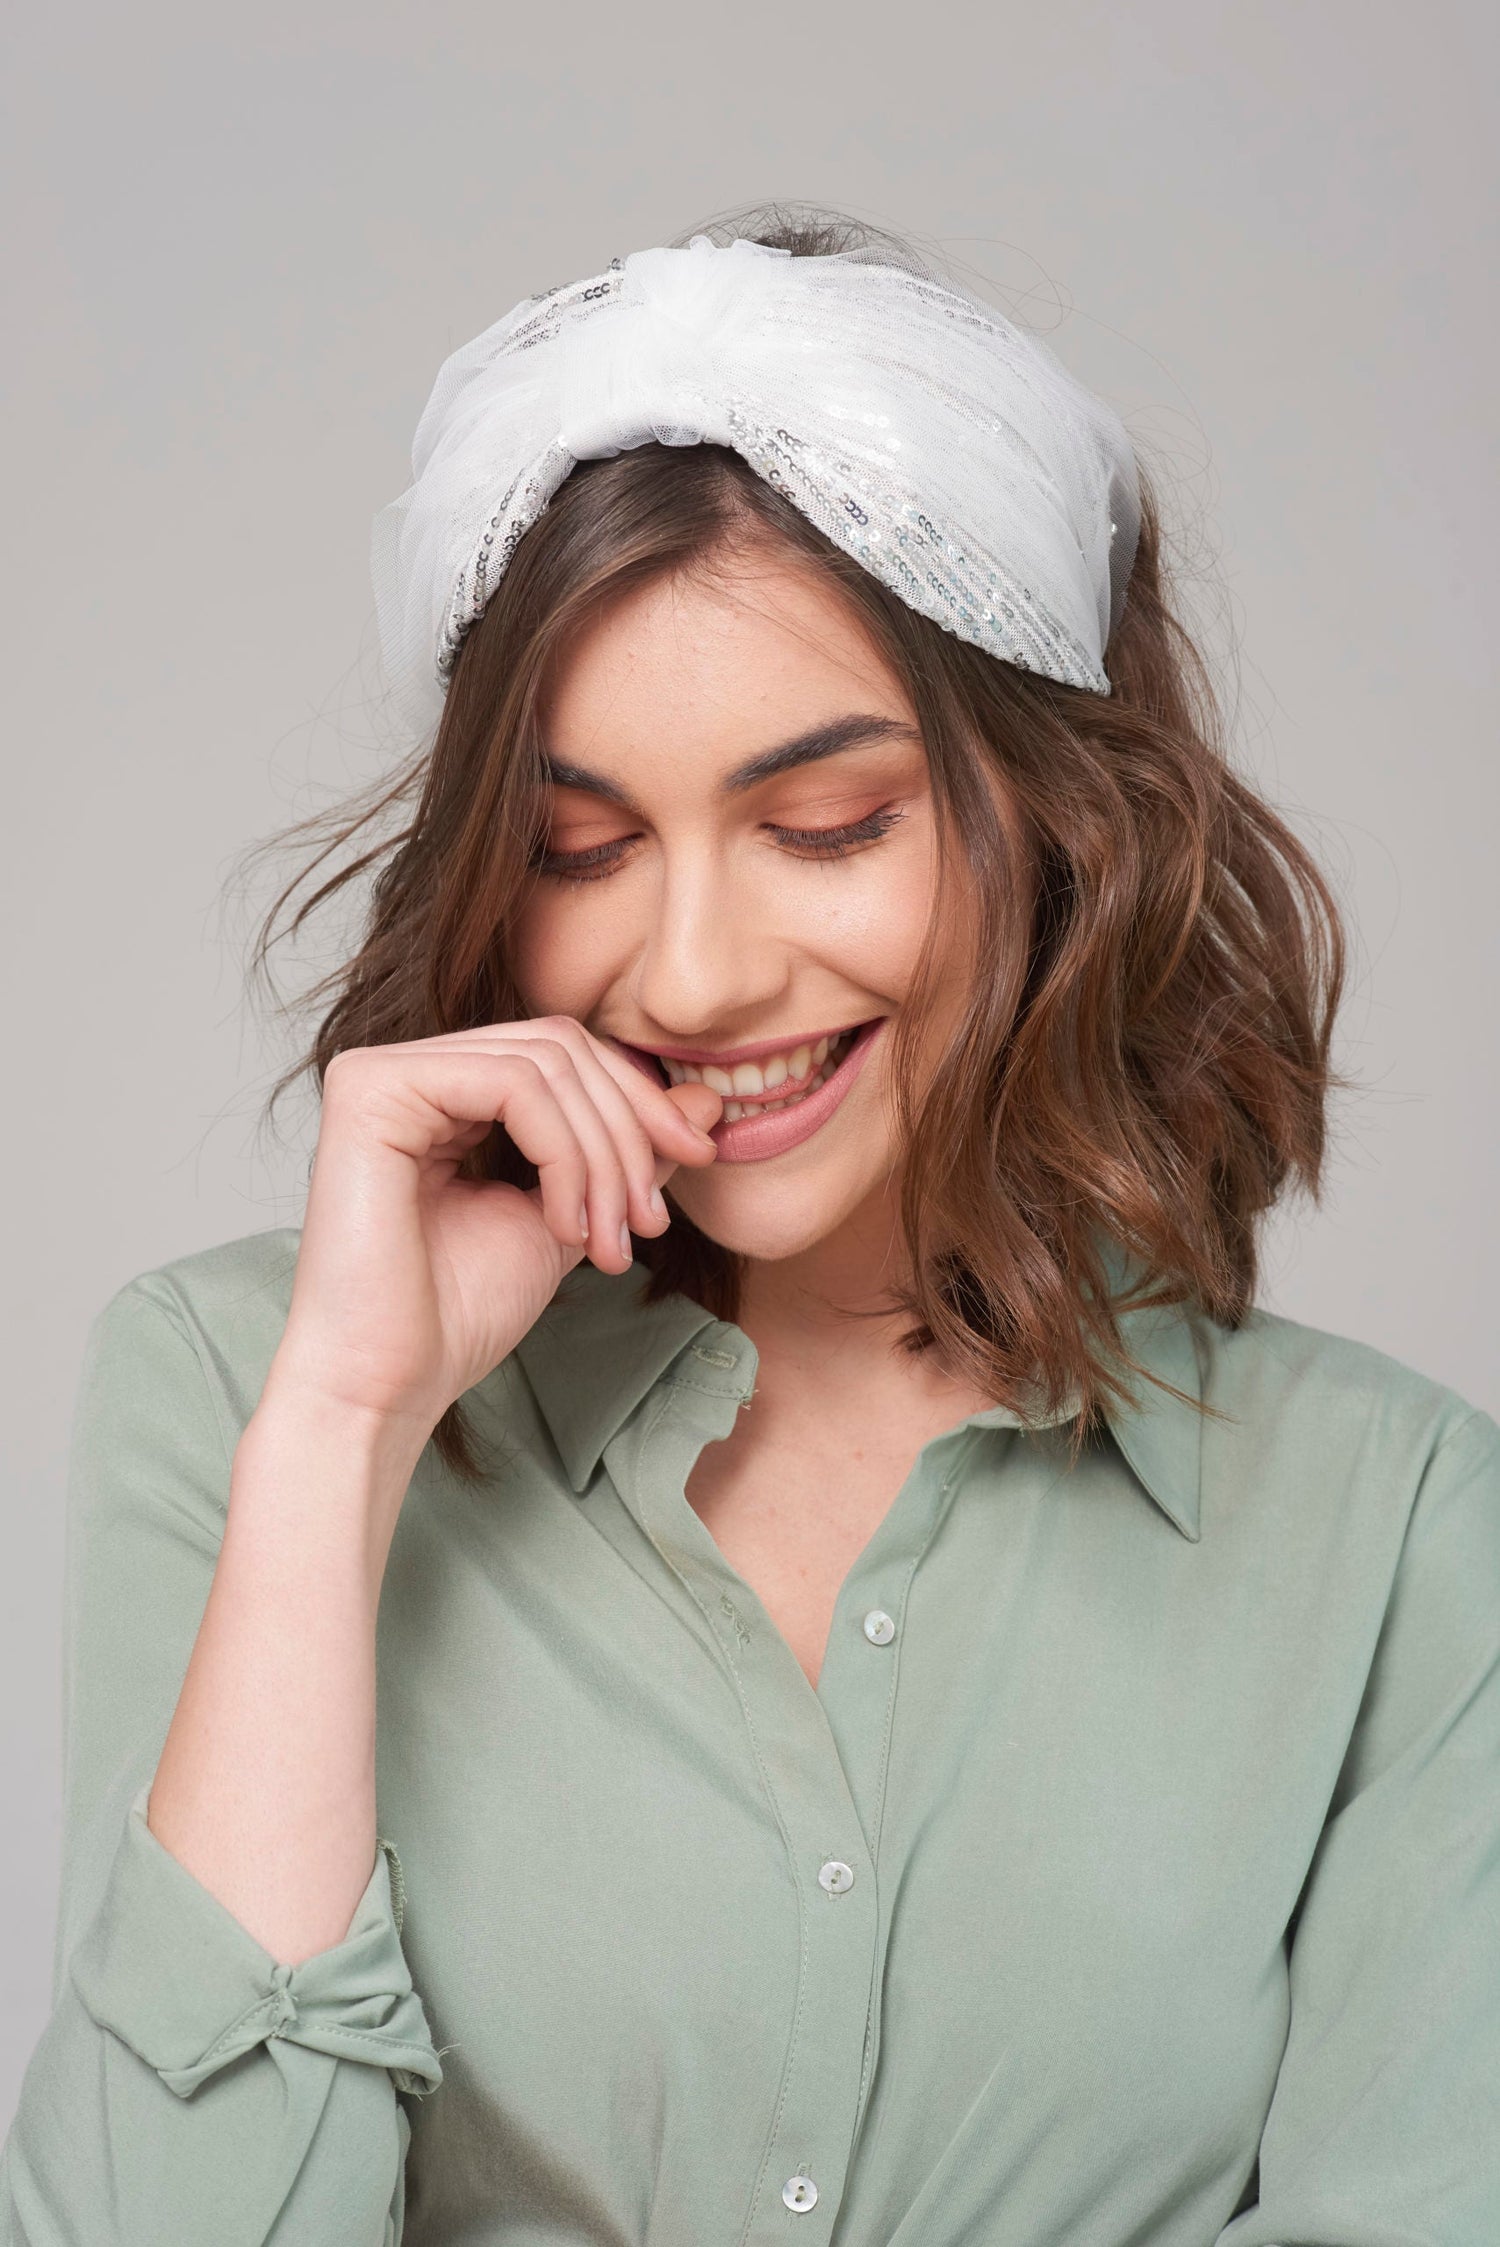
x=767, y=1220
x=760, y=1247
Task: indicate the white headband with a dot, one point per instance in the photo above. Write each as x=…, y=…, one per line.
x=944, y=447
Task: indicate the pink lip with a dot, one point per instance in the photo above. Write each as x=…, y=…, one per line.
x=702, y=1058
x=753, y=1138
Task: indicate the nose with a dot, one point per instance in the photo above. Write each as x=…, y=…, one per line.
x=714, y=960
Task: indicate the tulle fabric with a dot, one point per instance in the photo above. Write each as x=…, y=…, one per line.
x=944, y=447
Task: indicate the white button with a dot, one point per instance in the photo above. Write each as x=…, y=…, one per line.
x=836, y=1876
x=799, y=2193
x=879, y=1629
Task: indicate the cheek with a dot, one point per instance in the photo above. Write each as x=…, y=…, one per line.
x=560, y=957
x=867, y=917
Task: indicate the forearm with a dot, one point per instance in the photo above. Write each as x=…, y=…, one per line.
x=265, y=1789
x=226, y=2055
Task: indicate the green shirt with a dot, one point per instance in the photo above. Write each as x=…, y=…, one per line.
x=1130, y=1879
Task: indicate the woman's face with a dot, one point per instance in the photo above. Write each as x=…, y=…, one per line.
x=740, y=864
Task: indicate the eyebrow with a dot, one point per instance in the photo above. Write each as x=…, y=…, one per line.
x=851, y=732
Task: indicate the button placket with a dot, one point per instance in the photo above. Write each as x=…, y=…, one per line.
x=797, y=1758
x=859, y=1682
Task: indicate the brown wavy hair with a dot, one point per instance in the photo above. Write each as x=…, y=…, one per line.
x=1142, y=1067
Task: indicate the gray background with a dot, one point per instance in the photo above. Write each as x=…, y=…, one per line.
x=242, y=241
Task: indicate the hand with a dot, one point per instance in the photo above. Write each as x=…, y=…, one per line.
x=412, y=1283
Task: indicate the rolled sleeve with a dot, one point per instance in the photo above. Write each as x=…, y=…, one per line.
x=1384, y=2128
x=188, y=2087
x=170, y=1971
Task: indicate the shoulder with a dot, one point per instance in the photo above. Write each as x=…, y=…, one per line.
x=1298, y=1364
x=1331, y=1410
x=226, y=1306
x=238, y=1282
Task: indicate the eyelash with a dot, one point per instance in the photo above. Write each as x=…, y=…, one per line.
x=574, y=868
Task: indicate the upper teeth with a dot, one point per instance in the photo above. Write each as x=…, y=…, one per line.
x=749, y=1079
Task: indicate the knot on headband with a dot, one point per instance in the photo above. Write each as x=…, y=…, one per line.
x=652, y=371
x=944, y=447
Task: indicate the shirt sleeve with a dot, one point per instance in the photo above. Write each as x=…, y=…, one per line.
x=1384, y=2128
x=187, y=2087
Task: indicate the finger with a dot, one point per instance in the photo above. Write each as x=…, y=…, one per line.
x=608, y=1186
x=562, y=1196
x=670, y=1121
x=651, y=1124
x=696, y=1105
x=654, y=1102
x=702, y=1097
x=539, y=1125
x=710, y=1108
x=411, y=1097
x=569, y=1253
x=645, y=1167
x=434, y=1077
x=647, y=1127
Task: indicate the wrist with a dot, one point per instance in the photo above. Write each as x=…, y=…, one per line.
x=289, y=1397
x=310, y=1467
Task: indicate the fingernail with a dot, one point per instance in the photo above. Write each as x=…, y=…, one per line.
x=625, y=1248
x=657, y=1203
x=583, y=1220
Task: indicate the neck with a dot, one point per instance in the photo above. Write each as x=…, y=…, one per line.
x=827, y=1333
x=828, y=1313
x=810, y=1295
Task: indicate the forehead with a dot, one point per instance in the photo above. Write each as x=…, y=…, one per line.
x=717, y=664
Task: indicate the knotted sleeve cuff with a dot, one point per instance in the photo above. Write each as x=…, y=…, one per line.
x=167, y=1968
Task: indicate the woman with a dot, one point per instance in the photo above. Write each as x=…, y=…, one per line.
x=877, y=1698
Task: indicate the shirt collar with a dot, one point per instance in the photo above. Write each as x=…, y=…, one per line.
x=598, y=1349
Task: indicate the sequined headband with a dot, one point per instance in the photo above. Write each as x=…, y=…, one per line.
x=941, y=445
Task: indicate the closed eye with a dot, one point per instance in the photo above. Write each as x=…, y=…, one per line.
x=573, y=867
x=837, y=842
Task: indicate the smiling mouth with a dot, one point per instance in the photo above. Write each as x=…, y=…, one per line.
x=749, y=1089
